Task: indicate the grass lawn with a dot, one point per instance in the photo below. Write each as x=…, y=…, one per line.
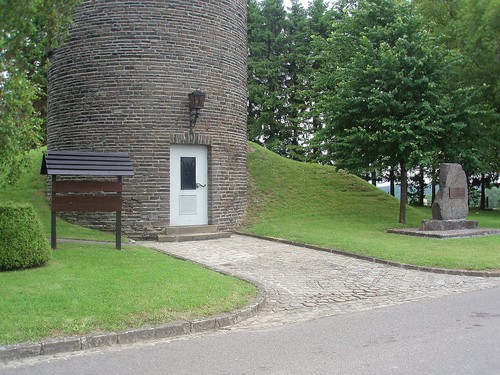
x=90, y=288
x=314, y=204
x=87, y=289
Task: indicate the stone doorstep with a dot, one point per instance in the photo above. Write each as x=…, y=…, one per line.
x=191, y=229
x=192, y=237
x=192, y=233
x=72, y=344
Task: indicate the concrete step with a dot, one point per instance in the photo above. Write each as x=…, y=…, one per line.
x=192, y=237
x=192, y=233
x=191, y=229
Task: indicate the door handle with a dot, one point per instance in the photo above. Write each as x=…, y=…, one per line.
x=198, y=185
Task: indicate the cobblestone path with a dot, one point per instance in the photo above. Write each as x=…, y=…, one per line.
x=304, y=284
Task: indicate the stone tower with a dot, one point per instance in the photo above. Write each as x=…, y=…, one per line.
x=121, y=83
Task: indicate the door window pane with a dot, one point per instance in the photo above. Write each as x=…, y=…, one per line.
x=188, y=173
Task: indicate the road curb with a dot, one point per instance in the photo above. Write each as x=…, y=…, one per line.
x=53, y=346
x=380, y=261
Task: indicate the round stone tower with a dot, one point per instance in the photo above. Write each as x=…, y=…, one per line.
x=120, y=83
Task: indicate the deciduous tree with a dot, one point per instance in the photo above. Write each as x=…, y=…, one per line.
x=383, y=95
x=471, y=28
x=29, y=31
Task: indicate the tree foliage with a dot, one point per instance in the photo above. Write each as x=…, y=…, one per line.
x=267, y=73
x=382, y=85
x=30, y=31
x=280, y=115
x=471, y=28
x=383, y=92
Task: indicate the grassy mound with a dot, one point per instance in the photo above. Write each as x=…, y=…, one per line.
x=301, y=196
x=318, y=205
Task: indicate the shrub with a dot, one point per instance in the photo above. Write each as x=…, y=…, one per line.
x=22, y=240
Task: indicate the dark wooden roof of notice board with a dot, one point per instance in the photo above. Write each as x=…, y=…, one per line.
x=83, y=163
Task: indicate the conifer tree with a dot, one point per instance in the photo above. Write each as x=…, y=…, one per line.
x=267, y=74
x=281, y=99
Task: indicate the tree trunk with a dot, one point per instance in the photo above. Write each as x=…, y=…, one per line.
x=404, y=193
x=421, y=193
x=482, y=204
x=433, y=185
x=316, y=125
x=391, y=182
x=374, y=178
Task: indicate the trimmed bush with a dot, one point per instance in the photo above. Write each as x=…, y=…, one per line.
x=22, y=240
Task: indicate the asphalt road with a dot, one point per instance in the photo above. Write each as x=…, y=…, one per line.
x=455, y=334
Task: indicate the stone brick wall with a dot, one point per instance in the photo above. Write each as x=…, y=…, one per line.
x=120, y=83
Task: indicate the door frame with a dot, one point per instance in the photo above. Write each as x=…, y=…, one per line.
x=189, y=206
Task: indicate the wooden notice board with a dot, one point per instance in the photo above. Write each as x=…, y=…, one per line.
x=84, y=192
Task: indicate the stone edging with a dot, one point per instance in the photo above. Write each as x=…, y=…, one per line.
x=381, y=261
x=99, y=340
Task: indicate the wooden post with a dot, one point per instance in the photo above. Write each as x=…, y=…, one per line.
x=53, y=234
x=118, y=229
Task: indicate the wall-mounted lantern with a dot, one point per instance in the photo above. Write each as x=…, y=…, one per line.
x=196, y=103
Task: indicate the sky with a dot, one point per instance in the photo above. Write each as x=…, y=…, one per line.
x=288, y=3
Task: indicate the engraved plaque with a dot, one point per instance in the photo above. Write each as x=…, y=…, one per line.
x=457, y=193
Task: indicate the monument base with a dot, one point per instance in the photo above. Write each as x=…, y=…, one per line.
x=443, y=234
x=430, y=225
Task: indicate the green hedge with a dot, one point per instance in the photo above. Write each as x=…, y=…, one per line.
x=22, y=240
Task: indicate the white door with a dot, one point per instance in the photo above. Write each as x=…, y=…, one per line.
x=188, y=185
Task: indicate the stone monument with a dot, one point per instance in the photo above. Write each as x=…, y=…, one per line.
x=451, y=206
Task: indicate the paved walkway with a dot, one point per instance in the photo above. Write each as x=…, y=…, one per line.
x=299, y=284
x=304, y=284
